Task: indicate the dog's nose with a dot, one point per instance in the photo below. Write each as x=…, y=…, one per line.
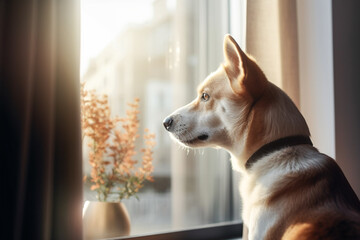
x=168, y=122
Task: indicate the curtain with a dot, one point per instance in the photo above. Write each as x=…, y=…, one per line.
x=40, y=120
x=271, y=37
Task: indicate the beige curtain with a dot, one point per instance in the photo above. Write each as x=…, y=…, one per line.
x=271, y=37
x=40, y=120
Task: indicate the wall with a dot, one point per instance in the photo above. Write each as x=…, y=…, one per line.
x=346, y=39
x=316, y=71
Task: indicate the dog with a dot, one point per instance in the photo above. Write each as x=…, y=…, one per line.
x=289, y=189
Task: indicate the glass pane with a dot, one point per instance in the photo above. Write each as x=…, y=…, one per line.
x=159, y=51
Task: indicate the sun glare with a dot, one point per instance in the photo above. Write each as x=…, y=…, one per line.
x=104, y=20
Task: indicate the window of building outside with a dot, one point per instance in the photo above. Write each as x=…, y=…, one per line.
x=159, y=51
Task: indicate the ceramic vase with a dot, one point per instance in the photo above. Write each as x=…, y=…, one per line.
x=105, y=220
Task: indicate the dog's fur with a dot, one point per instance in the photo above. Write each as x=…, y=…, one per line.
x=293, y=193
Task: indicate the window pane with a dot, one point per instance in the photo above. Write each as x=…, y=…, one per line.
x=159, y=51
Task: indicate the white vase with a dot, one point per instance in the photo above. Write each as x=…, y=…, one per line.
x=105, y=220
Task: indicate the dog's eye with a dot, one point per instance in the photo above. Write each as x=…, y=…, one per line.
x=205, y=97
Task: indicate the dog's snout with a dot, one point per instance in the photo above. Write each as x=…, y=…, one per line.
x=168, y=122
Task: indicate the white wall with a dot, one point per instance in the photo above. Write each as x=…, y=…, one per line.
x=316, y=71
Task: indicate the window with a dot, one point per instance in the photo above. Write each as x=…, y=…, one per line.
x=159, y=51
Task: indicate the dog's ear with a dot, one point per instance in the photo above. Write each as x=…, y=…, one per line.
x=243, y=72
x=235, y=63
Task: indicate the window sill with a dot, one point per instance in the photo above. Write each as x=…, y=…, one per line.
x=228, y=230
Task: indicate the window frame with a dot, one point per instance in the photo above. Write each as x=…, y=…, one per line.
x=226, y=230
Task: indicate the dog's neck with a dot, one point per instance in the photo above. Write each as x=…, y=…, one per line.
x=274, y=116
x=276, y=146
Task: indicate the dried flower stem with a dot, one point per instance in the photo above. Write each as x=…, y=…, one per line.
x=112, y=149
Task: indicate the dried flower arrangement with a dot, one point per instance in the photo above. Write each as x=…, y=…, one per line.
x=114, y=171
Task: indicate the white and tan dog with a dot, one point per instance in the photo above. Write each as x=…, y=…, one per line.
x=289, y=189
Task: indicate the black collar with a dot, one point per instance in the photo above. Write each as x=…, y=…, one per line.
x=275, y=146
